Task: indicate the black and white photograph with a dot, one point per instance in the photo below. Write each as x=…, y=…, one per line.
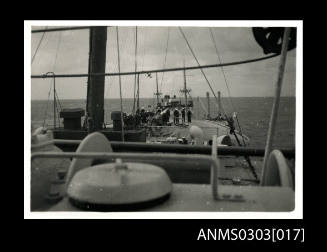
x=163, y=119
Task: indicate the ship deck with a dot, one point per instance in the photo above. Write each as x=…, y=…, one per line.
x=210, y=128
x=197, y=198
x=233, y=170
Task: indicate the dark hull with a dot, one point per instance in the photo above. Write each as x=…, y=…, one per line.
x=129, y=135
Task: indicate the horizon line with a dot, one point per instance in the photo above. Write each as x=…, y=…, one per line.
x=286, y=96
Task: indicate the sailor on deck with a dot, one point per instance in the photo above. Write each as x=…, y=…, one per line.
x=143, y=115
x=189, y=115
x=168, y=114
x=176, y=116
x=230, y=122
x=183, y=115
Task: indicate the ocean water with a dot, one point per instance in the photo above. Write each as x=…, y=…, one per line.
x=253, y=115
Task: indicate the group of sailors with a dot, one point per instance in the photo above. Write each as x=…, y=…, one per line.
x=162, y=115
x=182, y=112
x=144, y=115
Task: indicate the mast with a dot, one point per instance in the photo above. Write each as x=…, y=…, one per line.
x=54, y=102
x=157, y=93
x=198, y=110
x=120, y=93
x=138, y=92
x=185, y=91
x=208, y=101
x=89, y=71
x=219, y=104
x=97, y=64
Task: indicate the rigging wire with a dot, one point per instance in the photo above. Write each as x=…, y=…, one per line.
x=164, y=65
x=225, y=79
x=111, y=79
x=88, y=77
x=121, y=99
x=143, y=56
x=37, y=48
x=144, y=43
x=107, y=87
x=135, y=80
x=108, y=82
x=57, y=50
x=239, y=126
x=126, y=44
x=180, y=29
x=222, y=68
x=56, y=98
x=42, y=76
x=62, y=29
x=202, y=70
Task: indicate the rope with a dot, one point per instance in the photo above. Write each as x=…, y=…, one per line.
x=43, y=76
x=164, y=65
x=37, y=48
x=120, y=94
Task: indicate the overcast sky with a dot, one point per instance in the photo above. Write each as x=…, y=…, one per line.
x=234, y=44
